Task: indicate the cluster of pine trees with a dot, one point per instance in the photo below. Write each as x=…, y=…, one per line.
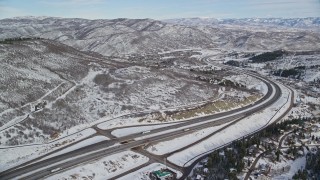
x=293, y=73
x=234, y=63
x=12, y=40
x=312, y=169
x=267, y=56
x=219, y=165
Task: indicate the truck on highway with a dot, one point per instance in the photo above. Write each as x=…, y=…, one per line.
x=145, y=132
x=187, y=129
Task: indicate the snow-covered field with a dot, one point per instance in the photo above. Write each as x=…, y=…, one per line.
x=241, y=98
x=133, y=130
x=88, y=93
x=13, y=156
x=240, y=129
x=177, y=143
x=152, y=119
x=84, y=143
x=277, y=168
x=104, y=168
x=82, y=89
x=301, y=110
x=95, y=93
x=249, y=82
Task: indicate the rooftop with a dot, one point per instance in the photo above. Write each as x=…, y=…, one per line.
x=161, y=173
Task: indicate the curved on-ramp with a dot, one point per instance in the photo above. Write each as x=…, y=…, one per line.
x=66, y=161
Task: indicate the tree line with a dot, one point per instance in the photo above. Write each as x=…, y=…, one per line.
x=16, y=39
x=268, y=56
x=221, y=162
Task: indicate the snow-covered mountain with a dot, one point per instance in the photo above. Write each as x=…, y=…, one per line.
x=305, y=23
x=51, y=87
x=61, y=83
x=127, y=36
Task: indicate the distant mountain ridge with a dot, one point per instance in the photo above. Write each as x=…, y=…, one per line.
x=311, y=22
x=130, y=36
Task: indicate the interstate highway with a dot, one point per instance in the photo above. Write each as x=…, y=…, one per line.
x=43, y=168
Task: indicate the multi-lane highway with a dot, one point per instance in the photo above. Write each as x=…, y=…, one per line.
x=43, y=168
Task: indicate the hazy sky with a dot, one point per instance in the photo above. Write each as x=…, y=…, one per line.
x=160, y=9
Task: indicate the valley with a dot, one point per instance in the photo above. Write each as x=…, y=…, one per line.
x=132, y=96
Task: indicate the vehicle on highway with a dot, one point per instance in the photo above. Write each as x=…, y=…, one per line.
x=126, y=142
x=55, y=170
x=186, y=129
x=145, y=132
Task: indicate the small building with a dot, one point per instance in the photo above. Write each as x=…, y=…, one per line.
x=206, y=170
x=199, y=177
x=262, y=168
x=163, y=174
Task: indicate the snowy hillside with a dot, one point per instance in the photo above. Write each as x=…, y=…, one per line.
x=48, y=88
x=67, y=84
x=127, y=36
x=305, y=23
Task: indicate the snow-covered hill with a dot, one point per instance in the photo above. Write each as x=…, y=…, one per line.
x=305, y=23
x=48, y=88
x=127, y=36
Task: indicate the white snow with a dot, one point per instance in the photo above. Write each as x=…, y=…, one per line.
x=13, y=156
x=119, y=122
x=133, y=130
x=21, y=118
x=240, y=129
x=177, y=143
x=79, y=145
x=133, y=121
x=181, y=128
x=249, y=82
x=302, y=108
x=312, y=75
x=295, y=165
x=104, y=168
